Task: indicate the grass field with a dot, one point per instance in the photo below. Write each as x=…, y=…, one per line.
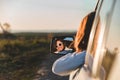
x=22, y=53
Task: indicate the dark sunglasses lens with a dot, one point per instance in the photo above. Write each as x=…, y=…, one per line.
x=60, y=44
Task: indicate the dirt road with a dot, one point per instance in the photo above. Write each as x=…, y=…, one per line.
x=45, y=71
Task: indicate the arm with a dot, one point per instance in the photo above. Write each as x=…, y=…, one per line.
x=66, y=64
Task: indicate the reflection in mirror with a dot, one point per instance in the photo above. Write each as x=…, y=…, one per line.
x=68, y=38
x=62, y=45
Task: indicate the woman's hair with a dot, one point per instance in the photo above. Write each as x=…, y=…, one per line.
x=83, y=33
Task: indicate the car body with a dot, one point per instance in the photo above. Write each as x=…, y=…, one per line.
x=103, y=63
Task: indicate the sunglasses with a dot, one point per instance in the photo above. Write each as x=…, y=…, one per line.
x=60, y=44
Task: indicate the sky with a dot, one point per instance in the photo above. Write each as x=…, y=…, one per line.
x=44, y=15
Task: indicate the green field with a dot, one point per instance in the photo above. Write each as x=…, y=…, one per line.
x=21, y=54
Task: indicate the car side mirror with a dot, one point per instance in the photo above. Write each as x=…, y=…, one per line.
x=62, y=45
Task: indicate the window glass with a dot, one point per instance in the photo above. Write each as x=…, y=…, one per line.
x=112, y=38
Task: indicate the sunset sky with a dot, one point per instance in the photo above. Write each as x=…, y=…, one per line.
x=44, y=15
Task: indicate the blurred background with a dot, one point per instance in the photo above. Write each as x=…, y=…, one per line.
x=26, y=29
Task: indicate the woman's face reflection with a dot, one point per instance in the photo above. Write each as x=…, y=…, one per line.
x=59, y=45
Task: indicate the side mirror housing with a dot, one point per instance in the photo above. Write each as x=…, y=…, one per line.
x=62, y=45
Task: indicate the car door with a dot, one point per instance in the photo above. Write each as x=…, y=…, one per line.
x=103, y=49
x=108, y=44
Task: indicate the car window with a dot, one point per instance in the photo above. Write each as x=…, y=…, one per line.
x=108, y=41
x=109, y=18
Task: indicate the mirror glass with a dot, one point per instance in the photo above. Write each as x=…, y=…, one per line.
x=62, y=45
